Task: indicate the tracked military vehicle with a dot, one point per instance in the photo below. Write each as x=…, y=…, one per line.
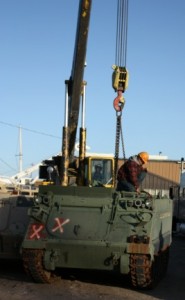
x=13, y=223
x=98, y=228
x=78, y=221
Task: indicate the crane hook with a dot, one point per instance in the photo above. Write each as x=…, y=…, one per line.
x=119, y=102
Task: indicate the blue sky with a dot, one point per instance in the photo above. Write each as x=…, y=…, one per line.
x=37, y=43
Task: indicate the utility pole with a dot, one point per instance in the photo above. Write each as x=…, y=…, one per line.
x=20, y=149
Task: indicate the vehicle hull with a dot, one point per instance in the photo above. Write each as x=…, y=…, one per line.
x=97, y=228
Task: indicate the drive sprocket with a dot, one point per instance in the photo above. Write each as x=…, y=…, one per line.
x=34, y=267
x=145, y=273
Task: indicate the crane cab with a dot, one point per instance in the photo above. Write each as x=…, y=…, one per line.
x=95, y=171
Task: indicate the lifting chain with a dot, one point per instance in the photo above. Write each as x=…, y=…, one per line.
x=119, y=134
x=122, y=141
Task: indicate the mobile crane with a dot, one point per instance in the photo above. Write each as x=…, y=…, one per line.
x=63, y=168
x=85, y=225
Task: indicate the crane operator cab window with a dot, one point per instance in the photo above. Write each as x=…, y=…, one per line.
x=101, y=172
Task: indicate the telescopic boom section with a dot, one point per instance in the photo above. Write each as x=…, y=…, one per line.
x=76, y=79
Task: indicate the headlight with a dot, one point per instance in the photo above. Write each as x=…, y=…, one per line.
x=148, y=203
x=38, y=200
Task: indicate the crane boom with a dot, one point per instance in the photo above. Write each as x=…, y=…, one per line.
x=76, y=79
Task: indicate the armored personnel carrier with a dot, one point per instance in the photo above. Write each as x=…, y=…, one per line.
x=98, y=228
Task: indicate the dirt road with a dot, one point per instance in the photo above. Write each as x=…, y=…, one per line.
x=14, y=285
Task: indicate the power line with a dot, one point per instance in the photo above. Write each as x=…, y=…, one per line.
x=7, y=164
x=31, y=130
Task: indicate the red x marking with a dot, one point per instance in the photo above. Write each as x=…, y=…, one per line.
x=59, y=222
x=36, y=231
